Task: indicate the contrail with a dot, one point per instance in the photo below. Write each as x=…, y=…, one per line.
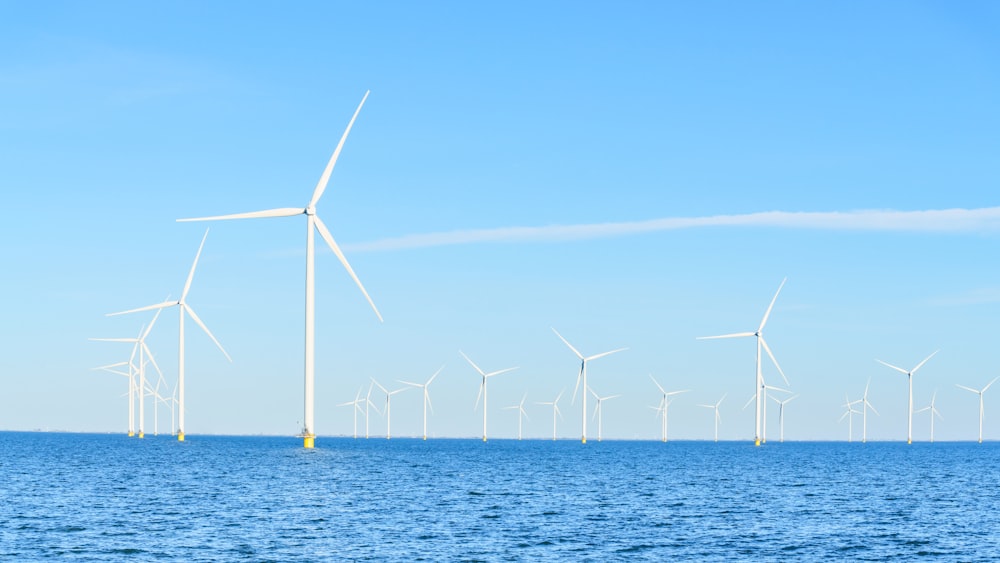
x=934, y=220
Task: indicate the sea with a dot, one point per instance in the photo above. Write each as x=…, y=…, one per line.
x=107, y=497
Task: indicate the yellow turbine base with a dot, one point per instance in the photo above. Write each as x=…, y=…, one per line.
x=756, y=441
x=131, y=434
x=142, y=435
x=309, y=442
x=180, y=436
x=909, y=441
x=425, y=438
x=583, y=440
x=484, y=438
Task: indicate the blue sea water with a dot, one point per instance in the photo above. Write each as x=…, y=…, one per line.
x=89, y=497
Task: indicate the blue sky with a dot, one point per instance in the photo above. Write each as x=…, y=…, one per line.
x=120, y=118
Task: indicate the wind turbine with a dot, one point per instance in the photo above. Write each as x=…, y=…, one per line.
x=934, y=412
x=781, y=413
x=482, y=386
x=388, y=406
x=369, y=404
x=598, y=411
x=356, y=403
x=909, y=380
x=759, y=381
x=717, y=417
x=139, y=345
x=849, y=414
x=313, y=224
x=183, y=307
x=555, y=411
x=865, y=405
x=980, y=393
x=582, y=376
x=521, y=414
x=664, y=403
x=427, y=396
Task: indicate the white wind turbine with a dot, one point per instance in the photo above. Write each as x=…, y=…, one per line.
x=980, y=393
x=521, y=414
x=388, y=406
x=356, y=403
x=139, y=345
x=369, y=404
x=598, y=411
x=112, y=368
x=865, y=405
x=781, y=414
x=661, y=410
x=482, y=386
x=427, y=396
x=718, y=418
x=313, y=224
x=909, y=380
x=582, y=376
x=555, y=411
x=849, y=414
x=759, y=381
x=934, y=412
x=183, y=307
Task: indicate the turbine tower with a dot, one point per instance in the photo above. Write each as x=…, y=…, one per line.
x=781, y=414
x=521, y=413
x=555, y=411
x=934, y=412
x=482, y=386
x=759, y=381
x=980, y=393
x=598, y=411
x=865, y=405
x=718, y=418
x=427, y=396
x=313, y=224
x=582, y=376
x=909, y=381
x=665, y=401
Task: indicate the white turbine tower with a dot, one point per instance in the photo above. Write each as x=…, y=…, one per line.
x=598, y=411
x=980, y=393
x=388, y=407
x=521, y=414
x=183, y=308
x=427, y=396
x=661, y=410
x=865, y=405
x=555, y=411
x=759, y=380
x=313, y=224
x=909, y=381
x=356, y=403
x=781, y=414
x=849, y=414
x=368, y=405
x=482, y=386
x=718, y=418
x=582, y=376
x=934, y=412
x=139, y=344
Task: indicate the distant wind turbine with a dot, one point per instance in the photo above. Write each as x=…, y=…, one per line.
x=598, y=411
x=388, y=407
x=849, y=414
x=909, y=380
x=555, y=411
x=759, y=381
x=521, y=414
x=183, y=308
x=582, y=376
x=369, y=404
x=865, y=405
x=933, y=412
x=665, y=401
x=356, y=404
x=427, y=396
x=313, y=224
x=482, y=386
x=718, y=418
x=781, y=413
x=980, y=393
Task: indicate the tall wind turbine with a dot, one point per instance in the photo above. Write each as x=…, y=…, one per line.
x=934, y=412
x=980, y=393
x=139, y=345
x=865, y=405
x=427, y=396
x=909, y=381
x=555, y=411
x=781, y=414
x=849, y=414
x=662, y=408
x=582, y=376
x=388, y=406
x=313, y=224
x=183, y=307
x=598, y=411
x=521, y=414
x=718, y=418
x=356, y=404
x=482, y=386
x=759, y=381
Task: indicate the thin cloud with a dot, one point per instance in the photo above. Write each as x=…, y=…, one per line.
x=935, y=220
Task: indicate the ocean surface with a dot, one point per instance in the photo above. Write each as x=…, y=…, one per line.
x=96, y=497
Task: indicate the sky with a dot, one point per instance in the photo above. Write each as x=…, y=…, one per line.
x=631, y=174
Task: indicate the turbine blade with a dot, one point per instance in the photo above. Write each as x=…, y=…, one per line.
x=433, y=376
x=152, y=359
x=163, y=305
x=773, y=359
x=967, y=388
x=427, y=397
x=576, y=387
x=734, y=335
x=473, y=364
x=343, y=260
x=498, y=372
x=771, y=306
x=151, y=323
x=658, y=386
x=601, y=355
x=187, y=284
x=914, y=370
x=899, y=369
x=750, y=400
x=990, y=383
x=379, y=385
x=197, y=320
x=325, y=178
x=412, y=384
x=280, y=212
x=566, y=342
x=480, y=394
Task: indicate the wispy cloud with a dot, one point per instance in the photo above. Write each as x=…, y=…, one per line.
x=934, y=220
